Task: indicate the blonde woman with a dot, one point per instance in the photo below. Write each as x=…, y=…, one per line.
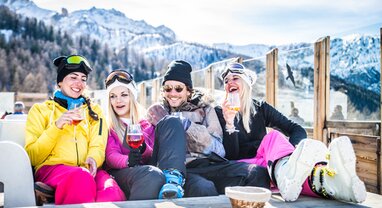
x=303, y=169
x=130, y=166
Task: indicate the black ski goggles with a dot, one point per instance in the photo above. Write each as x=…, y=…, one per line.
x=120, y=75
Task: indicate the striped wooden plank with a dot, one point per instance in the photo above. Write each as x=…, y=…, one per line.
x=373, y=200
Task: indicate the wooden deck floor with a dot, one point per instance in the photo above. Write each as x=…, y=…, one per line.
x=373, y=200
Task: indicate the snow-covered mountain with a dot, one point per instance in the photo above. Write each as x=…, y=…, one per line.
x=354, y=68
x=109, y=26
x=251, y=50
x=118, y=31
x=187, y=51
x=355, y=59
x=28, y=8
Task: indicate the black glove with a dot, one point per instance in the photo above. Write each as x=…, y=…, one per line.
x=135, y=157
x=142, y=148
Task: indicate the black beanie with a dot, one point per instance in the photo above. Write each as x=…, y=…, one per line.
x=179, y=71
x=64, y=69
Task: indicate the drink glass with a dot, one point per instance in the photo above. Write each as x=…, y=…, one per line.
x=234, y=101
x=134, y=135
x=78, y=108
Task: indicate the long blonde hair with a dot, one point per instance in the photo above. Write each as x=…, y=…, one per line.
x=136, y=114
x=247, y=107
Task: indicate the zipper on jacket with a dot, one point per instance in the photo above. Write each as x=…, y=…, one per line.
x=100, y=127
x=75, y=140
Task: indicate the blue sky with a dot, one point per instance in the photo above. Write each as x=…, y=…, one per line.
x=243, y=22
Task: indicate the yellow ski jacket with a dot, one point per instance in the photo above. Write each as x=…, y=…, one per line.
x=48, y=145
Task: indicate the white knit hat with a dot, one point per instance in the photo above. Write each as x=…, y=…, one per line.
x=131, y=86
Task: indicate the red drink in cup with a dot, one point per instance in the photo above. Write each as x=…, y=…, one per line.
x=134, y=140
x=134, y=135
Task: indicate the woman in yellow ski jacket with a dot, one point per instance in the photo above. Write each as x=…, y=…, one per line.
x=66, y=145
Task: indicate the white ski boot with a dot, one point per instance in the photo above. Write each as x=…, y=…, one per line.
x=339, y=180
x=291, y=172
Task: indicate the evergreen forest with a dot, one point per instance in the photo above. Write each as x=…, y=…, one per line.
x=28, y=46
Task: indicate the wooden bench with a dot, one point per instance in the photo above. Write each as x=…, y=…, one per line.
x=372, y=200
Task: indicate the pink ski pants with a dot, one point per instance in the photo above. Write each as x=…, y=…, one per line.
x=75, y=185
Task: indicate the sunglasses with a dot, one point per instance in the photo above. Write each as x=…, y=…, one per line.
x=233, y=68
x=74, y=61
x=120, y=75
x=177, y=88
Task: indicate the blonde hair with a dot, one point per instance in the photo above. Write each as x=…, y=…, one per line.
x=136, y=114
x=247, y=107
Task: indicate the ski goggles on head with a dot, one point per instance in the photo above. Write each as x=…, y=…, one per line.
x=235, y=68
x=177, y=88
x=19, y=105
x=74, y=61
x=120, y=75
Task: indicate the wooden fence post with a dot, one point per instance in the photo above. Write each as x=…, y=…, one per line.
x=155, y=90
x=209, y=81
x=321, y=87
x=271, y=77
x=142, y=93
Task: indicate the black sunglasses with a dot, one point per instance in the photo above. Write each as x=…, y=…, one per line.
x=233, y=68
x=177, y=88
x=120, y=75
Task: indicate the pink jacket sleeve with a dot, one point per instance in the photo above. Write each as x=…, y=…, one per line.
x=116, y=157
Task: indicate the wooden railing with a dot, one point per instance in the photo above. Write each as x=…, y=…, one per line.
x=30, y=98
